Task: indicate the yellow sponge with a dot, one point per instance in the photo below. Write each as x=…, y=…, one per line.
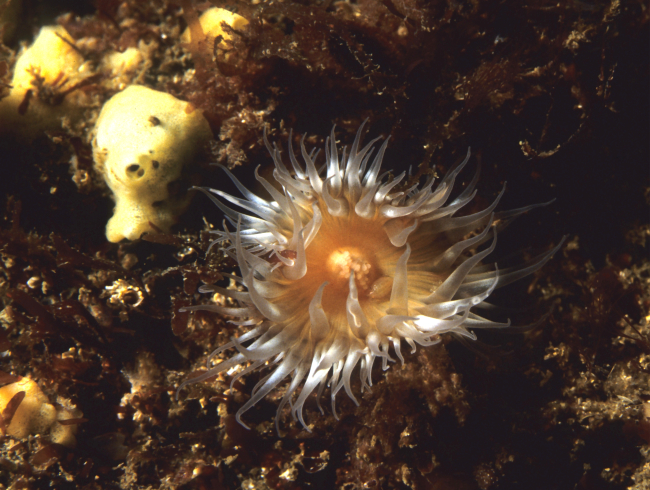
x=211, y=20
x=35, y=414
x=46, y=69
x=143, y=138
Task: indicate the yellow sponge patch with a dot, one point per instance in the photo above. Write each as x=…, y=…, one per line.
x=43, y=75
x=36, y=415
x=143, y=139
x=52, y=56
x=211, y=21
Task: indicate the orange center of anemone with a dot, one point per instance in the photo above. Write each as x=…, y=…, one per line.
x=343, y=262
x=342, y=247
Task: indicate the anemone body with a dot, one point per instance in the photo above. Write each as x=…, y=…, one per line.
x=341, y=265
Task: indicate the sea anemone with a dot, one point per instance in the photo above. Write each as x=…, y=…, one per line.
x=342, y=264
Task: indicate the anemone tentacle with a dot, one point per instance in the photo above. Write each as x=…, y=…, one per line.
x=340, y=266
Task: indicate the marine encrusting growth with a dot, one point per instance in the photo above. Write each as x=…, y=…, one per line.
x=341, y=266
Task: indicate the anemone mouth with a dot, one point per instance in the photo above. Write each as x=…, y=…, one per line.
x=345, y=248
x=341, y=266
